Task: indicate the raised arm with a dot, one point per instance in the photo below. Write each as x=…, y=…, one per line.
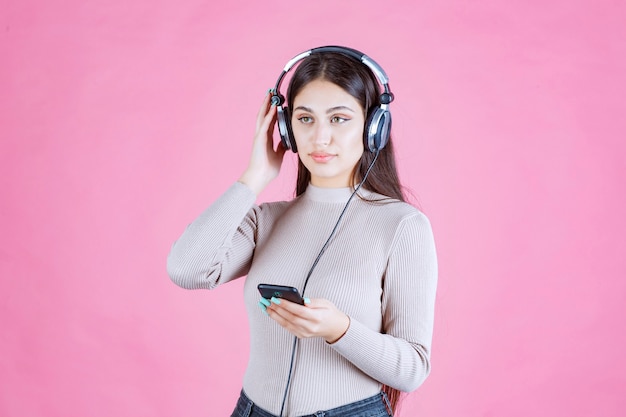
x=218, y=246
x=265, y=161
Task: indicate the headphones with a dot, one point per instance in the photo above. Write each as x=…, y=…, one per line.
x=378, y=124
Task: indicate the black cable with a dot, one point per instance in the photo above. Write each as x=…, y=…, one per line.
x=332, y=233
x=291, y=362
x=308, y=275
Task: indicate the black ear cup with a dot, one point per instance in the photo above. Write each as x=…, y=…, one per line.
x=377, y=129
x=283, y=117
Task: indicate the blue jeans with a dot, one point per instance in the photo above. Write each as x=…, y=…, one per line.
x=376, y=406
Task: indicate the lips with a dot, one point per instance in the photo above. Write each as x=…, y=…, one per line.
x=321, y=156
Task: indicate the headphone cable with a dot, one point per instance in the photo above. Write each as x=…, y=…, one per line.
x=319, y=255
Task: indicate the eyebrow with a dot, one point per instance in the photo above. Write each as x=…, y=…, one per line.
x=331, y=110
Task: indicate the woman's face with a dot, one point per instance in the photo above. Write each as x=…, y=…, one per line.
x=328, y=125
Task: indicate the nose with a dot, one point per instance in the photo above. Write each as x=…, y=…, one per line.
x=323, y=134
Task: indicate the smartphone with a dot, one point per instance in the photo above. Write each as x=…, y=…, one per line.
x=280, y=291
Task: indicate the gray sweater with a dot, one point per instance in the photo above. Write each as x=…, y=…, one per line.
x=380, y=268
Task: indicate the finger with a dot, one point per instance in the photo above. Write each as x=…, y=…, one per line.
x=265, y=124
x=293, y=313
x=263, y=110
x=290, y=306
x=279, y=315
x=288, y=321
x=269, y=126
x=280, y=308
x=280, y=152
x=269, y=120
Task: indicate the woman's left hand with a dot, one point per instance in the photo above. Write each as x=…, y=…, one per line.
x=317, y=318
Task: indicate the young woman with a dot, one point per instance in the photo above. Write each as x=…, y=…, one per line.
x=363, y=258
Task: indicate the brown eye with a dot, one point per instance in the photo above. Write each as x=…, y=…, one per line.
x=338, y=119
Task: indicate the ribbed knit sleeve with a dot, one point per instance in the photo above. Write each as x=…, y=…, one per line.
x=400, y=356
x=218, y=246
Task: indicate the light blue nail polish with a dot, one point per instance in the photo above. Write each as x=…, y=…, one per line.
x=265, y=301
x=307, y=300
x=263, y=307
x=275, y=300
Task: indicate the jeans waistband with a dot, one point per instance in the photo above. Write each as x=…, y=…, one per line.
x=375, y=406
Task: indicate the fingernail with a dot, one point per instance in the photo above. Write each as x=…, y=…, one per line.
x=275, y=300
x=265, y=301
x=263, y=307
x=307, y=300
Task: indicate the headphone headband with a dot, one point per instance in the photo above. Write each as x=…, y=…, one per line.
x=378, y=71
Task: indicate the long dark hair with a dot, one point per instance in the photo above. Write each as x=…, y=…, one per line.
x=358, y=81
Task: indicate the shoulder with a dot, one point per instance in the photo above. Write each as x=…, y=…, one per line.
x=409, y=223
x=392, y=220
x=392, y=208
x=272, y=210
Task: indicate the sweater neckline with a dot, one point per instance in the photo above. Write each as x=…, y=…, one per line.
x=331, y=195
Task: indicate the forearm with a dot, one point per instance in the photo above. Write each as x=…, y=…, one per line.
x=197, y=259
x=390, y=360
x=400, y=355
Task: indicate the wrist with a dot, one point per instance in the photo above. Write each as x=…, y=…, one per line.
x=254, y=181
x=341, y=330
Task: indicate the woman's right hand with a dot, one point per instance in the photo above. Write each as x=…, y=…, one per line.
x=265, y=161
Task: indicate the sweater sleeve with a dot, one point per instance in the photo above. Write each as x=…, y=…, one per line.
x=218, y=246
x=400, y=356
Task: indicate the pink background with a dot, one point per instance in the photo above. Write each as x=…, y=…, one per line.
x=121, y=120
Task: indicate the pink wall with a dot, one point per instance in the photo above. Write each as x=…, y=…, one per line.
x=121, y=120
